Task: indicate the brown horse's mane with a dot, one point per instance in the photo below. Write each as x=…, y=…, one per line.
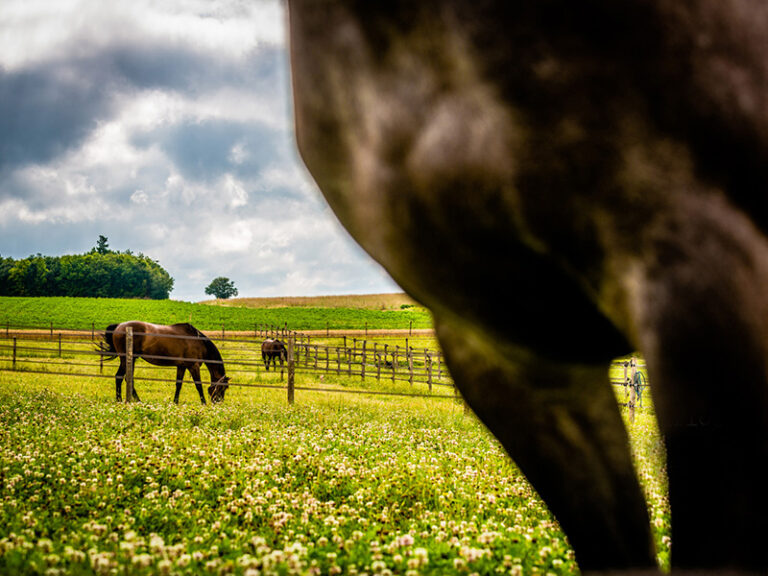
x=210, y=347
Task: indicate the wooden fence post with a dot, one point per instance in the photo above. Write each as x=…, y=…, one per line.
x=291, y=372
x=14, y=353
x=428, y=364
x=632, y=392
x=59, y=344
x=409, y=355
x=129, y=364
x=626, y=381
x=362, y=364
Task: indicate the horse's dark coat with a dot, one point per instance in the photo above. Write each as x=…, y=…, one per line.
x=180, y=345
x=273, y=350
x=562, y=183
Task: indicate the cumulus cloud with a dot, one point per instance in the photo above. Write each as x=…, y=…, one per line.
x=166, y=127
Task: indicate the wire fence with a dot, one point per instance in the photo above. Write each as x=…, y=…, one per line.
x=76, y=353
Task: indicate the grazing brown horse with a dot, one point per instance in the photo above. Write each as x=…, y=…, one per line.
x=180, y=345
x=273, y=350
x=562, y=183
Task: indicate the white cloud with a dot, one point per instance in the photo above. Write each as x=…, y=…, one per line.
x=140, y=197
x=234, y=192
x=230, y=237
x=36, y=30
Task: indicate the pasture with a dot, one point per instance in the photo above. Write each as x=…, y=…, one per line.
x=84, y=313
x=337, y=483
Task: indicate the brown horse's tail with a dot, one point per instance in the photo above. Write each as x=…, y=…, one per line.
x=107, y=347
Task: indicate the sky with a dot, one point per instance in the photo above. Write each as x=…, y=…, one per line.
x=166, y=127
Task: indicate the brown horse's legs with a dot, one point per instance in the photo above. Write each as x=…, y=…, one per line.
x=195, y=372
x=135, y=392
x=561, y=425
x=179, y=379
x=119, y=376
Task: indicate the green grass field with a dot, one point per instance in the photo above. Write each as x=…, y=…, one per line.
x=335, y=484
x=84, y=313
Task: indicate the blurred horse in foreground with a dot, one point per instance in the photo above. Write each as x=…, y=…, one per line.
x=563, y=183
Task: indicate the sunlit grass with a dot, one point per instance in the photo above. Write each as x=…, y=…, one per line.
x=334, y=484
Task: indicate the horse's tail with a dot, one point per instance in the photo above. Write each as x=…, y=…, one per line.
x=107, y=347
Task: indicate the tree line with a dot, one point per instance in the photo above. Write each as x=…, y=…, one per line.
x=100, y=273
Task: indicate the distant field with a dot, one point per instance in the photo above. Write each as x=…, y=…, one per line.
x=83, y=313
x=356, y=302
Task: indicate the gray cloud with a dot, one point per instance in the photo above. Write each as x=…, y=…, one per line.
x=168, y=130
x=45, y=111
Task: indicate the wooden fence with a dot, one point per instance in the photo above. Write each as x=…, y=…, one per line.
x=58, y=351
x=74, y=353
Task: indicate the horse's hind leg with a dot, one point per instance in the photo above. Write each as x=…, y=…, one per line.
x=195, y=372
x=704, y=323
x=179, y=379
x=133, y=372
x=561, y=425
x=119, y=376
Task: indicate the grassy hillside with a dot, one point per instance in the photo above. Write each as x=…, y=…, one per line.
x=81, y=313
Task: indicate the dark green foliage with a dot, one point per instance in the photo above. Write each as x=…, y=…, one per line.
x=102, y=246
x=221, y=287
x=101, y=273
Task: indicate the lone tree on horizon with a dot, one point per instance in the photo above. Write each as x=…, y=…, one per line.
x=221, y=287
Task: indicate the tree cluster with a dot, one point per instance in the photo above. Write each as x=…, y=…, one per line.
x=100, y=273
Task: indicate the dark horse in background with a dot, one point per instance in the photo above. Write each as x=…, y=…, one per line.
x=180, y=345
x=273, y=350
x=563, y=182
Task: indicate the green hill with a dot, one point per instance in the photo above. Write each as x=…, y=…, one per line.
x=84, y=313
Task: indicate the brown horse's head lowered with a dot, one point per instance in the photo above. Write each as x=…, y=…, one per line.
x=562, y=183
x=217, y=389
x=180, y=345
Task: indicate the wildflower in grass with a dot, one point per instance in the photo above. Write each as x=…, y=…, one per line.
x=421, y=556
x=184, y=560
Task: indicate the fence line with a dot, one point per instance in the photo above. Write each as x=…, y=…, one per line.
x=26, y=345
x=363, y=359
